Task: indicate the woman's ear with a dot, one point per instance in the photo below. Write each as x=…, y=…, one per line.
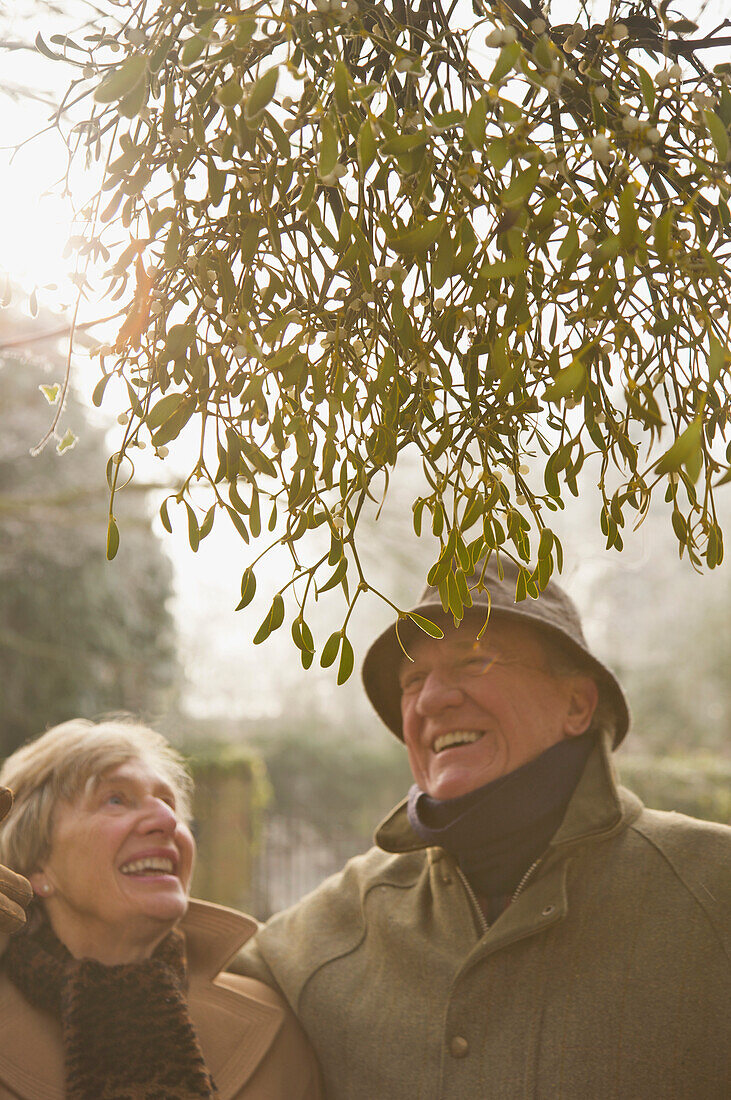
x=41, y=886
x=582, y=704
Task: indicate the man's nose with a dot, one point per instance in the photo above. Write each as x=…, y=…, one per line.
x=439, y=691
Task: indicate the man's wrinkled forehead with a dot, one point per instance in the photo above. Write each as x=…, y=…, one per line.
x=472, y=636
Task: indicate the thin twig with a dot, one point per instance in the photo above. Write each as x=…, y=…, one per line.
x=64, y=386
x=36, y=338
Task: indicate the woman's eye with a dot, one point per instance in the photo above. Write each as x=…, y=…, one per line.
x=115, y=800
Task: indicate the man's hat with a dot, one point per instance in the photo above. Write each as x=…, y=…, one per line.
x=554, y=614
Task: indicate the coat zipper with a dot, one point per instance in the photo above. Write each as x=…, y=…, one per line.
x=524, y=881
x=473, y=897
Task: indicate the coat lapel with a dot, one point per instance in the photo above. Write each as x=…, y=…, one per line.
x=236, y=1019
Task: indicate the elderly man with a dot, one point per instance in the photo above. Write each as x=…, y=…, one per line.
x=524, y=927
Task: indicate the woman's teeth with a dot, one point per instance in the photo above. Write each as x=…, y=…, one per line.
x=152, y=863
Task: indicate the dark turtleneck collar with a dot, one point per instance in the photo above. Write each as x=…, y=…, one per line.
x=496, y=832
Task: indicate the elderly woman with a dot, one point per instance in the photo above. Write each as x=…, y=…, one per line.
x=114, y=987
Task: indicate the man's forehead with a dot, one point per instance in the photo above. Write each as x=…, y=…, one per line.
x=470, y=636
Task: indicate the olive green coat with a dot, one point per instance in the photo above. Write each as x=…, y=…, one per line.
x=607, y=978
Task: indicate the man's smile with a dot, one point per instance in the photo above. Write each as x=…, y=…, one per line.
x=455, y=738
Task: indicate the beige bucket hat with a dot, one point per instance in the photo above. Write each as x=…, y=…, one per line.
x=553, y=614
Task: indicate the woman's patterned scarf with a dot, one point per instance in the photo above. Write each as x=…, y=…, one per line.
x=126, y=1030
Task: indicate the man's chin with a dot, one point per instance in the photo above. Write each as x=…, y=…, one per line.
x=459, y=771
x=455, y=784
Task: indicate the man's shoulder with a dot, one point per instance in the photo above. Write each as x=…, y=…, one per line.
x=681, y=837
x=326, y=924
x=699, y=855
x=347, y=890
x=377, y=865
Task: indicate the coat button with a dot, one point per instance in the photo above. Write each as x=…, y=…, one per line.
x=459, y=1046
x=548, y=910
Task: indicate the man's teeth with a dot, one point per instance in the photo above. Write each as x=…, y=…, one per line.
x=456, y=737
x=151, y=863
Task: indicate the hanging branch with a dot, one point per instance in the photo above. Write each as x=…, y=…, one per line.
x=344, y=229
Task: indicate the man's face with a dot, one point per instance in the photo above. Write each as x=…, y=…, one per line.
x=476, y=710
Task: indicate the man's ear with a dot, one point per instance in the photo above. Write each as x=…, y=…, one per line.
x=582, y=704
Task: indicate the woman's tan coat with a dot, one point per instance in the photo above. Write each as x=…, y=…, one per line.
x=252, y=1044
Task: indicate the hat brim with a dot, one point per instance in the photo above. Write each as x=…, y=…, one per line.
x=383, y=662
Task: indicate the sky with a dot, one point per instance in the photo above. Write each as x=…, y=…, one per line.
x=34, y=228
x=223, y=674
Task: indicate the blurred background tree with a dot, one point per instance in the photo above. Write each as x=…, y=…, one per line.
x=76, y=638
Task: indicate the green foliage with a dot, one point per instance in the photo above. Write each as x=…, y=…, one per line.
x=288, y=187
x=338, y=783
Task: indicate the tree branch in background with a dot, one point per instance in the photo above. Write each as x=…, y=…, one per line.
x=32, y=337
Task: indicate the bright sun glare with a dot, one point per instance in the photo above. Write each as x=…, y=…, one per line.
x=36, y=219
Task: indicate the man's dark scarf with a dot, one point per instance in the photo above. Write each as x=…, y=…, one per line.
x=126, y=1030
x=498, y=831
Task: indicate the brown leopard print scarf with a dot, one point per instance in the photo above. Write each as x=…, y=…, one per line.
x=126, y=1030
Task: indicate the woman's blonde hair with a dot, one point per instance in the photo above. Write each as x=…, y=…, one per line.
x=65, y=760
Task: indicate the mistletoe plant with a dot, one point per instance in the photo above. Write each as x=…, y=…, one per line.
x=341, y=229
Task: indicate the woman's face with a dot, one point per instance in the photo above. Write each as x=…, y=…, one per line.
x=120, y=863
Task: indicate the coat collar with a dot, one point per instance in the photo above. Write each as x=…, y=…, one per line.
x=596, y=807
x=237, y=1019
x=213, y=935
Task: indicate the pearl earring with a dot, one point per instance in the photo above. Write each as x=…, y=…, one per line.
x=45, y=888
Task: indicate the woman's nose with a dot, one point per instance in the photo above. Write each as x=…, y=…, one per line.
x=159, y=816
x=439, y=691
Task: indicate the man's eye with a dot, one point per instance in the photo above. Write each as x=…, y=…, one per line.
x=115, y=799
x=477, y=665
x=413, y=682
